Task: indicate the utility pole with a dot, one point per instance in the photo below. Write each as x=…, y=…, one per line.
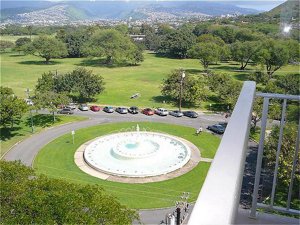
x=31, y=119
x=180, y=92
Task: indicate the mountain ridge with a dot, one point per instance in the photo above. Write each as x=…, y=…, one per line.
x=112, y=10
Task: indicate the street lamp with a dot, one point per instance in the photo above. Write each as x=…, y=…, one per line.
x=180, y=93
x=28, y=97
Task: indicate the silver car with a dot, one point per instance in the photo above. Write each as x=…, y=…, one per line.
x=161, y=112
x=83, y=107
x=122, y=110
x=176, y=113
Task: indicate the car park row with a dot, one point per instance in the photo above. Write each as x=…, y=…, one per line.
x=123, y=110
x=68, y=109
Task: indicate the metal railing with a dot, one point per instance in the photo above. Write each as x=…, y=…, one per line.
x=219, y=198
x=266, y=102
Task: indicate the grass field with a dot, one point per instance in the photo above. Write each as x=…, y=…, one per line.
x=10, y=136
x=20, y=72
x=57, y=160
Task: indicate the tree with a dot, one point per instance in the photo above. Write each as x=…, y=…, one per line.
x=227, y=33
x=29, y=198
x=273, y=55
x=194, y=89
x=287, y=152
x=243, y=52
x=21, y=44
x=201, y=28
x=50, y=100
x=5, y=45
x=290, y=84
x=48, y=48
x=12, y=108
x=225, y=87
x=45, y=83
x=85, y=83
x=177, y=43
x=207, y=53
x=81, y=83
x=224, y=50
x=110, y=44
x=294, y=50
x=74, y=41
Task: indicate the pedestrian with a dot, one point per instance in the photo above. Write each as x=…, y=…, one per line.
x=198, y=131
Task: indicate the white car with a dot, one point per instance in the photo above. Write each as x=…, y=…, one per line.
x=161, y=112
x=83, y=107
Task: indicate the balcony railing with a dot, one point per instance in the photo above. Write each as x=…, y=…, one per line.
x=219, y=198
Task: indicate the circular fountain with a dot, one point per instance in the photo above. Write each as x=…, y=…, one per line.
x=137, y=154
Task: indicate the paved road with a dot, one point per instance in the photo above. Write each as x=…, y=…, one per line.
x=27, y=149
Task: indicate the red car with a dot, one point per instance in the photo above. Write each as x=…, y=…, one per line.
x=95, y=108
x=148, y=112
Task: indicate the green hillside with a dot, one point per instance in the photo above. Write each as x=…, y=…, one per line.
x=288, y=9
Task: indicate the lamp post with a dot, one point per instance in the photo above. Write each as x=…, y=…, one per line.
x=180, y=92
x=28, y=96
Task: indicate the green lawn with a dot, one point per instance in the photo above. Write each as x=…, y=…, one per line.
x=10, y=136
x=57, y=160
x=20, y=72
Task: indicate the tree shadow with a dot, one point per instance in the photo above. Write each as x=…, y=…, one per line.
x=39, y=63
x=102, y=63
x=42, y=120
x=163, y=99
x=169, y=100
x=241, y=76
x=217, y=106
x=7, y=133
x=230, y=68
x=17, y=55
x=194, y=71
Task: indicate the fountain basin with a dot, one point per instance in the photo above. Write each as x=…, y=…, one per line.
x=137, y=154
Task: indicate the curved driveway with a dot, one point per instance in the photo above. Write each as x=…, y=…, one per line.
x=27, y=149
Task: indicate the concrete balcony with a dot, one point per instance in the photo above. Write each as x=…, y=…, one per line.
x=219, y=199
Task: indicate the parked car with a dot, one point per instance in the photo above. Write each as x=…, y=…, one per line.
x=133, y=110
x=217, y=128
x=223, y=124
x=148, y=112
x=83, y=107
x=65, y=111
x=71, y=106
x=176, y=113
x=190, y=114
x=108, y=109
x=122, y=110
x=95, y=108
x=161, y=112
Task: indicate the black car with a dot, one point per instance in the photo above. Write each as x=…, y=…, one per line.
x=108, y=109
x=223, y=124
x=190, y=114
x=133, y=110
x=66, y=111
x=217, y=128
x=121, y=110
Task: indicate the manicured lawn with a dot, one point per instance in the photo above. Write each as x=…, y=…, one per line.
x=57, y=160
x=10, y=136
x=20, y=72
